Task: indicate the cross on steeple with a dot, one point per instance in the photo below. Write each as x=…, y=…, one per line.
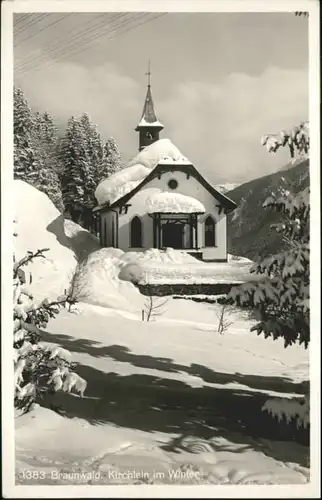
x=148, y=74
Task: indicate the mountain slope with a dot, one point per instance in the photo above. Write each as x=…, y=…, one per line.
x=249, y=231
x=226, y=187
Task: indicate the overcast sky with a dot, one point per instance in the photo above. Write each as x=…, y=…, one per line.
x=219, y=81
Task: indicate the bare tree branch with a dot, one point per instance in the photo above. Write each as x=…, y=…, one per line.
x=28, y=258
x=153, y=308
x=223, y=323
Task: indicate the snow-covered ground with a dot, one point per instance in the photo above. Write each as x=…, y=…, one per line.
x=164, y=397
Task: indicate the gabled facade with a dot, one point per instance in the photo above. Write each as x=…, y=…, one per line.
x=173, y=206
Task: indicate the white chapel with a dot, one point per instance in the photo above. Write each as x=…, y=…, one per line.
x=161, y=200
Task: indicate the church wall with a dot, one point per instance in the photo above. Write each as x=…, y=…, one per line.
x=189, y=187
x=107, y=229
x=124, y=229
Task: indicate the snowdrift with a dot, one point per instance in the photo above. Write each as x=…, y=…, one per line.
x=121, y=183
x=154, y=255
x=174, y=266
x=40, y=225
x=105, y=282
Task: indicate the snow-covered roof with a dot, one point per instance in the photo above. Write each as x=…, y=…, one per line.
x=166, y=160
x=157, y=152
x=120, y=183
x=119, y=187
x=144, y=123
x=167, y=202
x=124, y=181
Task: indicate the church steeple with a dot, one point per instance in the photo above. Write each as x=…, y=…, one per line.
x=149, y=126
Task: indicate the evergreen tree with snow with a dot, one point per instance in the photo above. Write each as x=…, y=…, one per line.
x=25, y=156
x=38, y=369
x=281, y=297
x=45, y=137
x=35, y=154
x=76, y=171
x=85, y=161
x=95, y=150
x=111, y=161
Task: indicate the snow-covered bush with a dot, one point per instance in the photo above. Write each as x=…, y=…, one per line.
x=297, y=140
x=290, y=410
x=281, y=298
x=38, y=369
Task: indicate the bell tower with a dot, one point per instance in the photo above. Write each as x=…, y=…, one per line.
x=149, y=126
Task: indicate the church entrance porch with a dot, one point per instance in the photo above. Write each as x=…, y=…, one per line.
x=178, y=231
x=172, y=235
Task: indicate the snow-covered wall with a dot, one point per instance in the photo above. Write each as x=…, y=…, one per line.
x=186, y=186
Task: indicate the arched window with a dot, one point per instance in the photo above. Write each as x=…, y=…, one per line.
x=136, y=233
x=210, y=232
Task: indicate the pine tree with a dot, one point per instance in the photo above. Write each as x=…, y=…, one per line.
x=76, y=169
x=35, y=154
x=47, y=179
x=86, y=162
x=281, y=297
x=25, y=161
x=94, y=146
x=111, y=161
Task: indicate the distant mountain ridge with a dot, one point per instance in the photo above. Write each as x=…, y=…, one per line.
x=227, y=186
x=249, y=231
